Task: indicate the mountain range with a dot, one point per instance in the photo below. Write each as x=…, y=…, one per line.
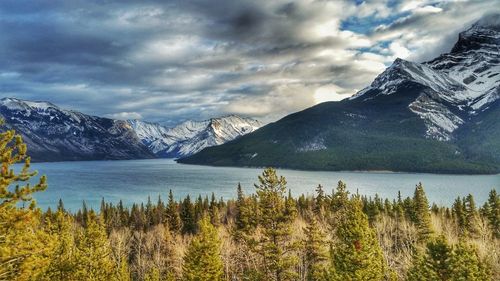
x=439, y=116
x=56, y=134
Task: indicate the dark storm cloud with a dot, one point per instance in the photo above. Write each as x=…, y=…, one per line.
x=172, y=60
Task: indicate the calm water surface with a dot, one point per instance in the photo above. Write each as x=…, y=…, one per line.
x=135, y=180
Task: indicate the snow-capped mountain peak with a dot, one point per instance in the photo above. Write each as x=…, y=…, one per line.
x=14, y=103
x=454, y=85
x=53, y=133
x=190, y=136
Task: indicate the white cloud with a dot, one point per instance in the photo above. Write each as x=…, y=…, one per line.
x=398, y=50
x=169, y=61
x=328, y=93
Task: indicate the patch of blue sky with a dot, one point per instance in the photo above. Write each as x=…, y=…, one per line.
x=380, y=48
x=365, y=25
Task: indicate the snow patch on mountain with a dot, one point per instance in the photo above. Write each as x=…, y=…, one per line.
x=190, y=137
x=315, y=145
x=439, y=120
x=53, y=133
x=465, y=80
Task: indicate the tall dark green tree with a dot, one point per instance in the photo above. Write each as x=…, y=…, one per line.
x=203, y=259
x=172, y=214
x=356, y=254
x=421, y=215
x=340, y=198
x=319, y=202
x=458, y=211
x=316, y=254
x=213, y=211
x=188, y=216
x=492, y=212
x=275, y=244
x=434, y=264
x=465, y=264
x=471, y=215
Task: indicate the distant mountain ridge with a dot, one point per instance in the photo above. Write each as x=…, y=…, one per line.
x=56, y=134
x=192, y=136
x=438, y=116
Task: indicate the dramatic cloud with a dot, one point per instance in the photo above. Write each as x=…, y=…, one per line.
x=167, y=61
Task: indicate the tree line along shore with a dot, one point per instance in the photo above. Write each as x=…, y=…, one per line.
x=265, y=235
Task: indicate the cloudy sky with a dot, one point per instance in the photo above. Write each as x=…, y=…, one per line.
x=167, y=61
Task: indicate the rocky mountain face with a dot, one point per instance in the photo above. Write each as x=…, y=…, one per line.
x=55, y=134
x=192, y=136
x=436, y=116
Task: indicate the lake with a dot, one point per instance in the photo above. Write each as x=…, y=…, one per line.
x=135, y=180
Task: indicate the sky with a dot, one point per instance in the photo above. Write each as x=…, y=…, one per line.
x=169, y=61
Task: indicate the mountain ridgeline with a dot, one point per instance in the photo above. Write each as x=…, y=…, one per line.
x=439, y=116
x=56, y=134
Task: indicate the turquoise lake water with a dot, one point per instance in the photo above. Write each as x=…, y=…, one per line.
x=135, y=180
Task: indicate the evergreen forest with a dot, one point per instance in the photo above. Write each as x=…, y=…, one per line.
x=264, y=235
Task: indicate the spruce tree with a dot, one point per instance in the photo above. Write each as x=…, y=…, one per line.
x=93, y=251
x=203, y=259
x=356, y=255
x=421, y=214
x=465, y=264
x=188, y=216
x=340, y=198
x=434, y=264
x=493, y=212
x=471, y=215
x=213, y=211
x=316, y=255
x=319, y=202
x=458, y=211
x=246, y=215
x=63, y=256
x=276, y=216
x=173, y=217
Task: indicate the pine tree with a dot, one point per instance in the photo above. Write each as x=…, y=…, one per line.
x=356, y=254
x=465, y=264
x=188, y=216
x=421, y=214
x=316, y=256
x=420, y=270
x=435, y=264
x=276, y=216
x=458, y=211
x=213, y=211
x=319, y=202
x=203, y=260
x=492, y=211
x=245, y=216
x=22, y=245
x=199, y=209
x=93, y=251
x=63, y=257
x=340, y=198
x=173, y=217
x=60, y=206
x=471, y=215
